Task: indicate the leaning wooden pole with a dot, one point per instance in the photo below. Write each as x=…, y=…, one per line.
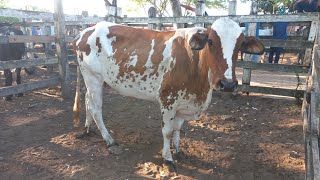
x=59, y=27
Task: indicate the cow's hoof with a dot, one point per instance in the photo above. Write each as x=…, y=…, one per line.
x=179, y=156
x=172, y=167
x=115, y=149
x=8, y=98
x=19, y=95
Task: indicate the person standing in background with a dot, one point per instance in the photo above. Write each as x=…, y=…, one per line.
x=306, y=6
x=279, y=32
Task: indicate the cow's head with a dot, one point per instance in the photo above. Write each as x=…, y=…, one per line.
x=220, y=45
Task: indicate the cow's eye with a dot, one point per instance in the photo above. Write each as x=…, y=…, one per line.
x=210, y=42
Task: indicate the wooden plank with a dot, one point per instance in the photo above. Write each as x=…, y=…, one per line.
x=315, y=157
x=286, y=43
x=306, y=137
x=314, y=119
x=26, y=38
x=273, y=67
x=27, y=63
x=61, y=46
x=46, y=16
x=22, y=88
x=246, y=77
x=269, y=90
x=151, y=14
x=313, y=31
x=232, y=7
x=300, y=17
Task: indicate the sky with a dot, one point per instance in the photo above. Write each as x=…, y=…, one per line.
x=97, y=7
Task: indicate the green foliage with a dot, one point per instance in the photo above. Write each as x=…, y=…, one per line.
x=161, y=5
x=272, y=6
x=9, y=19
x=3, y=3
x=219, y=4
x=36, y=8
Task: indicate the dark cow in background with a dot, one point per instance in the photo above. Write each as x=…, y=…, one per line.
x=12, y=51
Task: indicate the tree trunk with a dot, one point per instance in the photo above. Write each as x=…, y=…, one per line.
x=176, y=11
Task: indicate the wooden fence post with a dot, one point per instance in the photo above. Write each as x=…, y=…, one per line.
x=311, y=37
x=59, y=26
x=200, y=9
x=232, y=9
x=246, y=77
x=151, y=14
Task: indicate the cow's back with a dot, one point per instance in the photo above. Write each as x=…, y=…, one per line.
x=132, y=61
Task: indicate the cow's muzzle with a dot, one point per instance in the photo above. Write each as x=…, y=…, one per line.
x=229, y=86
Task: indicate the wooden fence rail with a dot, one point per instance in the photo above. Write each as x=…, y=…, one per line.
x=301, y=17
x=311, y=114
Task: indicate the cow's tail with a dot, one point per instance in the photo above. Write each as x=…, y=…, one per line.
x=77, y=103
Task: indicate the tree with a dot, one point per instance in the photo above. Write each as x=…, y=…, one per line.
x=162, y=5
x=3, y=3
x=272, y=6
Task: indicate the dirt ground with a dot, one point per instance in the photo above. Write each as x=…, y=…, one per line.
x=238, y=138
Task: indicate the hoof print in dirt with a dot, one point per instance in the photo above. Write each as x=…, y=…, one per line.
x=8, y=98
x=80, y=134
x=179, y=156
x=19, y=95
x=115, y=149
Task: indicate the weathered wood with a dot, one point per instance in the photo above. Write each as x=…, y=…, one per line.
x=269, y=90
x=306, y=136
x=200, y=9
x=315, y=157
x=301, y=17
x=273, y=67
x=286, y=43
x=313, y=31
x=22, y=88
x=311, y=38
x=246, y=77
x=46, y=16
x=61, y=46
x=26, y=38
x=152, y=12
x=27, y=63
x=314, y=117
x=232, y=8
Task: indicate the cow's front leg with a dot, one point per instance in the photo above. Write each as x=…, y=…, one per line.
x=177, y=124
x=167, y=132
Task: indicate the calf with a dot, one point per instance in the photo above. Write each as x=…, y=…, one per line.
x=12, y=51
x=178, y=69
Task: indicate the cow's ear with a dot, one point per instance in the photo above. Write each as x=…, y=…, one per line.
x=198, y=40
x=251, y=45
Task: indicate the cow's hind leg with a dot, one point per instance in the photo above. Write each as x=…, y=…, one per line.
x=177, y=124
x=18, y=80
x=8, y=82
x=89, y=118
x=94, y=106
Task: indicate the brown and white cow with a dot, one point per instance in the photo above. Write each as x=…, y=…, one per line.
x=178, y=69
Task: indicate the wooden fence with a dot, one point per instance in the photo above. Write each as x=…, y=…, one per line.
x=310, y=20
x=60, y=22
x=310, y=109
x=311, y=124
